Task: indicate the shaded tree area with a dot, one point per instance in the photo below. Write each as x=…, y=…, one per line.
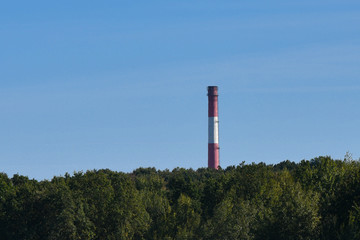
x=315, y=199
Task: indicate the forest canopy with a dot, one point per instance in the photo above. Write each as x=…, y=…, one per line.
x=312, y=199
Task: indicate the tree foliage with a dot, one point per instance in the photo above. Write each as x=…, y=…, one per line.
x=313, y=199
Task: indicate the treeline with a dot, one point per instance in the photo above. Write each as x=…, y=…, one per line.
x=316, y=199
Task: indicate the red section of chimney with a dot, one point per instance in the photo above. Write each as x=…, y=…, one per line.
x=213, y=155
x=213, y=101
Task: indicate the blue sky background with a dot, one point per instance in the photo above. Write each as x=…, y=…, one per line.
x=122, y=84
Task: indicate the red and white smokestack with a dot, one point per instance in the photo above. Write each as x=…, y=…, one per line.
x=213, y=145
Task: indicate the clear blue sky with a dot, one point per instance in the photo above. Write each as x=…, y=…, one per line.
x=122, y=84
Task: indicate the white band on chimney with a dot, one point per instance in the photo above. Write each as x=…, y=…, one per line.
x=213, y=130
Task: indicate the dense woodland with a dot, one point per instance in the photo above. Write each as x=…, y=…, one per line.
x=316, y=199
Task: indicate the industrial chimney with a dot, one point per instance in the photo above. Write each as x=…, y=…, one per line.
x=213, y=144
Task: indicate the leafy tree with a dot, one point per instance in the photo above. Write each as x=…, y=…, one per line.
x=153, y=194
x=7, y=197
x=231, y=221
x=291, y=213
x=185, y=218
x=128, y=218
